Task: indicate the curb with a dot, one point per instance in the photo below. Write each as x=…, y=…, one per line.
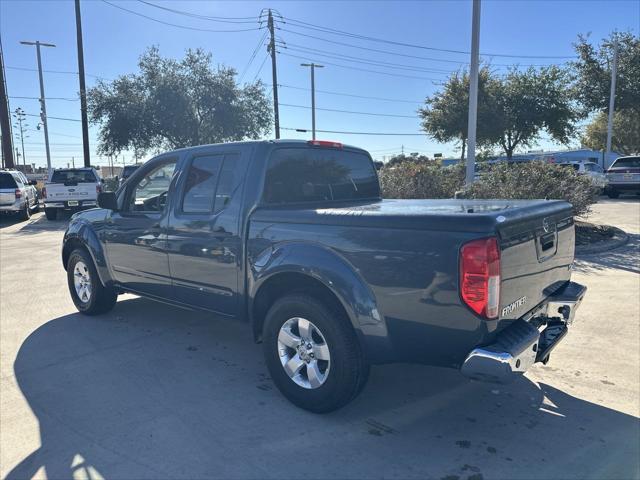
x=619, y=239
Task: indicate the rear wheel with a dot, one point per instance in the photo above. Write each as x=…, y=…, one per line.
x=87, y=292
x=26, y=213
x=613, y=194
x=51, y=213
x=313, y=354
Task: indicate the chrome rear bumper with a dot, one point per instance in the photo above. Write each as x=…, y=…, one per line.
x=524, y=343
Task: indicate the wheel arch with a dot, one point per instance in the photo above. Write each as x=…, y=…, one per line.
x=81, y=236
x=328, y=277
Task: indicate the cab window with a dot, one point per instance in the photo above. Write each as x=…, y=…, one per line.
x=149, y=194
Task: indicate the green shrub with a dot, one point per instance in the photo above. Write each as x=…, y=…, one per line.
x=531, y=180
x=410, y=179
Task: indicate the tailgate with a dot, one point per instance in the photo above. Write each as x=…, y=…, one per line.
x=7, y=196
x=80, y=191
x=536, y=257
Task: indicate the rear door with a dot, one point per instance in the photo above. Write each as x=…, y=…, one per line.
x=203, y=239
x=537, y=252
x=8, y=187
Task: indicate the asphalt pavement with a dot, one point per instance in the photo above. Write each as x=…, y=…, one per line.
x=151, y=391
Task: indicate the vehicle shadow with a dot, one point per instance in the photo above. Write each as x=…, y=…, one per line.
x=148, y=391
x=626, y=257
x=38, y=223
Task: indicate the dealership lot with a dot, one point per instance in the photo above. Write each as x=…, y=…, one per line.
x=150, y=391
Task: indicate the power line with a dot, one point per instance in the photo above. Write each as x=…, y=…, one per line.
x=65, y=72
x=363, y=69
x=48, y=98
x=376, y=63
x=185, y=27
x=54, y=118
x=261, y=66
x=303, y=130
x=253, y=56
x=333, y=31
x=203, y=17
x=350, y=111
x=353, y=95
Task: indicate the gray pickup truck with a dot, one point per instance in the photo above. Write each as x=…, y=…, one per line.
x=294, y=238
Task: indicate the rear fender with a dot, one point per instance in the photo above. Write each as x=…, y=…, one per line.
x=338, y=276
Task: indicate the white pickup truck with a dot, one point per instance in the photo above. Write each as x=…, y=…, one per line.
x=71, y=189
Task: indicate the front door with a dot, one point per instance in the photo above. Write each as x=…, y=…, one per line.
x=135, y=236
x=203, y=239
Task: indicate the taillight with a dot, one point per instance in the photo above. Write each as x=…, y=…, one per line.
x=18, y=193
x=324, y=143
x=98, y=188
x=480, y=276
x=44, y=192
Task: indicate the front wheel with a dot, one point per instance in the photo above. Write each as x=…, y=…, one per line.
x=87, y=292
x=613, y=194
x=313, y=354
x=51, y=213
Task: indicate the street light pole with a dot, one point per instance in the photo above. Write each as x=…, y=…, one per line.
x=612, y=96
x=20, y=117
x=473, y=93
x=313, y=95
x=43, y=105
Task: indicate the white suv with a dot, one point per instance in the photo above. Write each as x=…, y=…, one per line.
x=17, y=194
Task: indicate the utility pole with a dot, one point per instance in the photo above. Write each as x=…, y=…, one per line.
x=473, y=93
x=43, y=105
x=5, y=120
x=274, y=74
x=73, y=162
x=612, y=97
x=83, y=90
x=313, y=95
x=20, y=118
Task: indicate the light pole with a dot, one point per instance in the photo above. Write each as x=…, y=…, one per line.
x=43, y=105
x=473, y=93
x=313, y=95
x=20, y=118
x=612, y=97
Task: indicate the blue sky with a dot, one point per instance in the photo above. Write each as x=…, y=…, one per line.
x=114, y=39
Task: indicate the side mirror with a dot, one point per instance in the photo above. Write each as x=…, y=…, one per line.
x=33, y=182
x=108, y=200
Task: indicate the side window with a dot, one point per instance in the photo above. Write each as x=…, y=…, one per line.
x=18, y=180
x=200, y=185
x=230, y=180
x=149, y=194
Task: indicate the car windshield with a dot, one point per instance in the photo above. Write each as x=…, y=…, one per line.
x=73, y=176
x=627, y=162
x=7, y=181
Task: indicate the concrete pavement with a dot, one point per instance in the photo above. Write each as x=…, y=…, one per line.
x=150, y=391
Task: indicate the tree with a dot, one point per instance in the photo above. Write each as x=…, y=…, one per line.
x=445, y=114
x=412, y=157
x=626, y=132
x=176, y=103
x=523, y=104
x=593, y=72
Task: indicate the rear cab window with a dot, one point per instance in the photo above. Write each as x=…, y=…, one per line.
x=316, y=174
x=73, y=176
x=7, y=181
x=627, y=162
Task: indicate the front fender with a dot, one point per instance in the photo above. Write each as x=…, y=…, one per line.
x=81, y=233
x=337, y=275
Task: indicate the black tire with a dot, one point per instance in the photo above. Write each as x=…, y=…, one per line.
x=101, y=299
x=26, y=213
x=348, y=372
x=613, y=194
x=36, y=207
x=51, y=213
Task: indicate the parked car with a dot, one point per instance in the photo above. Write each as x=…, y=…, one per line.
x=294, y=238
x=594, y=171
x=17, y=194
x=126, y=172
x=624, y=176
x=71, y=189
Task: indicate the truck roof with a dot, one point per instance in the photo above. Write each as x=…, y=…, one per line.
x=292, y=142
